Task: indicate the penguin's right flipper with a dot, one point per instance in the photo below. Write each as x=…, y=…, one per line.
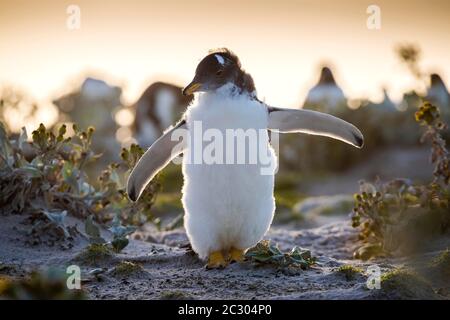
x=316, y=123
x=155, y=159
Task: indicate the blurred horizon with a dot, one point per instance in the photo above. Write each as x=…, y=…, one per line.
x=281, y=44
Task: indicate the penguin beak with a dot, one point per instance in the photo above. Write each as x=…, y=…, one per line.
x=192, y=87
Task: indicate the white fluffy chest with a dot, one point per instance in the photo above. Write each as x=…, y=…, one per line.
x=227, y=205
x=227, y=129
x=237, y=171
x=221, y=111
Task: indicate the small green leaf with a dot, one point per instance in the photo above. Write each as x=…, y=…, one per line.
x=119, y=244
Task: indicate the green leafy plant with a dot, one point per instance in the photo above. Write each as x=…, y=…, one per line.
x=113, y=184
x=48, y=175
x=267, y=252
x=393, y=217
x=119, y=232
x=429, y=116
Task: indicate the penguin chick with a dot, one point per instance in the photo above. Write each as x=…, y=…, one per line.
x=229, y=207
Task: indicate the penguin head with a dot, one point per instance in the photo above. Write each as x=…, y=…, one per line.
x=436, y=80
x=326, y=76
x=218, y=68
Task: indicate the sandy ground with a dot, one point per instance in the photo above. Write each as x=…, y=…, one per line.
x=167, y=269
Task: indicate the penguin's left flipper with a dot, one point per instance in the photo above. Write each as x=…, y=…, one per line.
x=285, y=120
x=156, y=158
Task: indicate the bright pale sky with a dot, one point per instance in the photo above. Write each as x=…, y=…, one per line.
x=281, y=43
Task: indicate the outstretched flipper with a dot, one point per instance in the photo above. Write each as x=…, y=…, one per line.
x=316, y=123
x=154, y=160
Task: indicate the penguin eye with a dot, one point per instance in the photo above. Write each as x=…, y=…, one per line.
x=218, y=73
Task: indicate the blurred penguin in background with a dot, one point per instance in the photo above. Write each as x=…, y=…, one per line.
x=326, y=96
x=438, y=94
x=159, y=107
x=386, y=104
x=93, y=104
